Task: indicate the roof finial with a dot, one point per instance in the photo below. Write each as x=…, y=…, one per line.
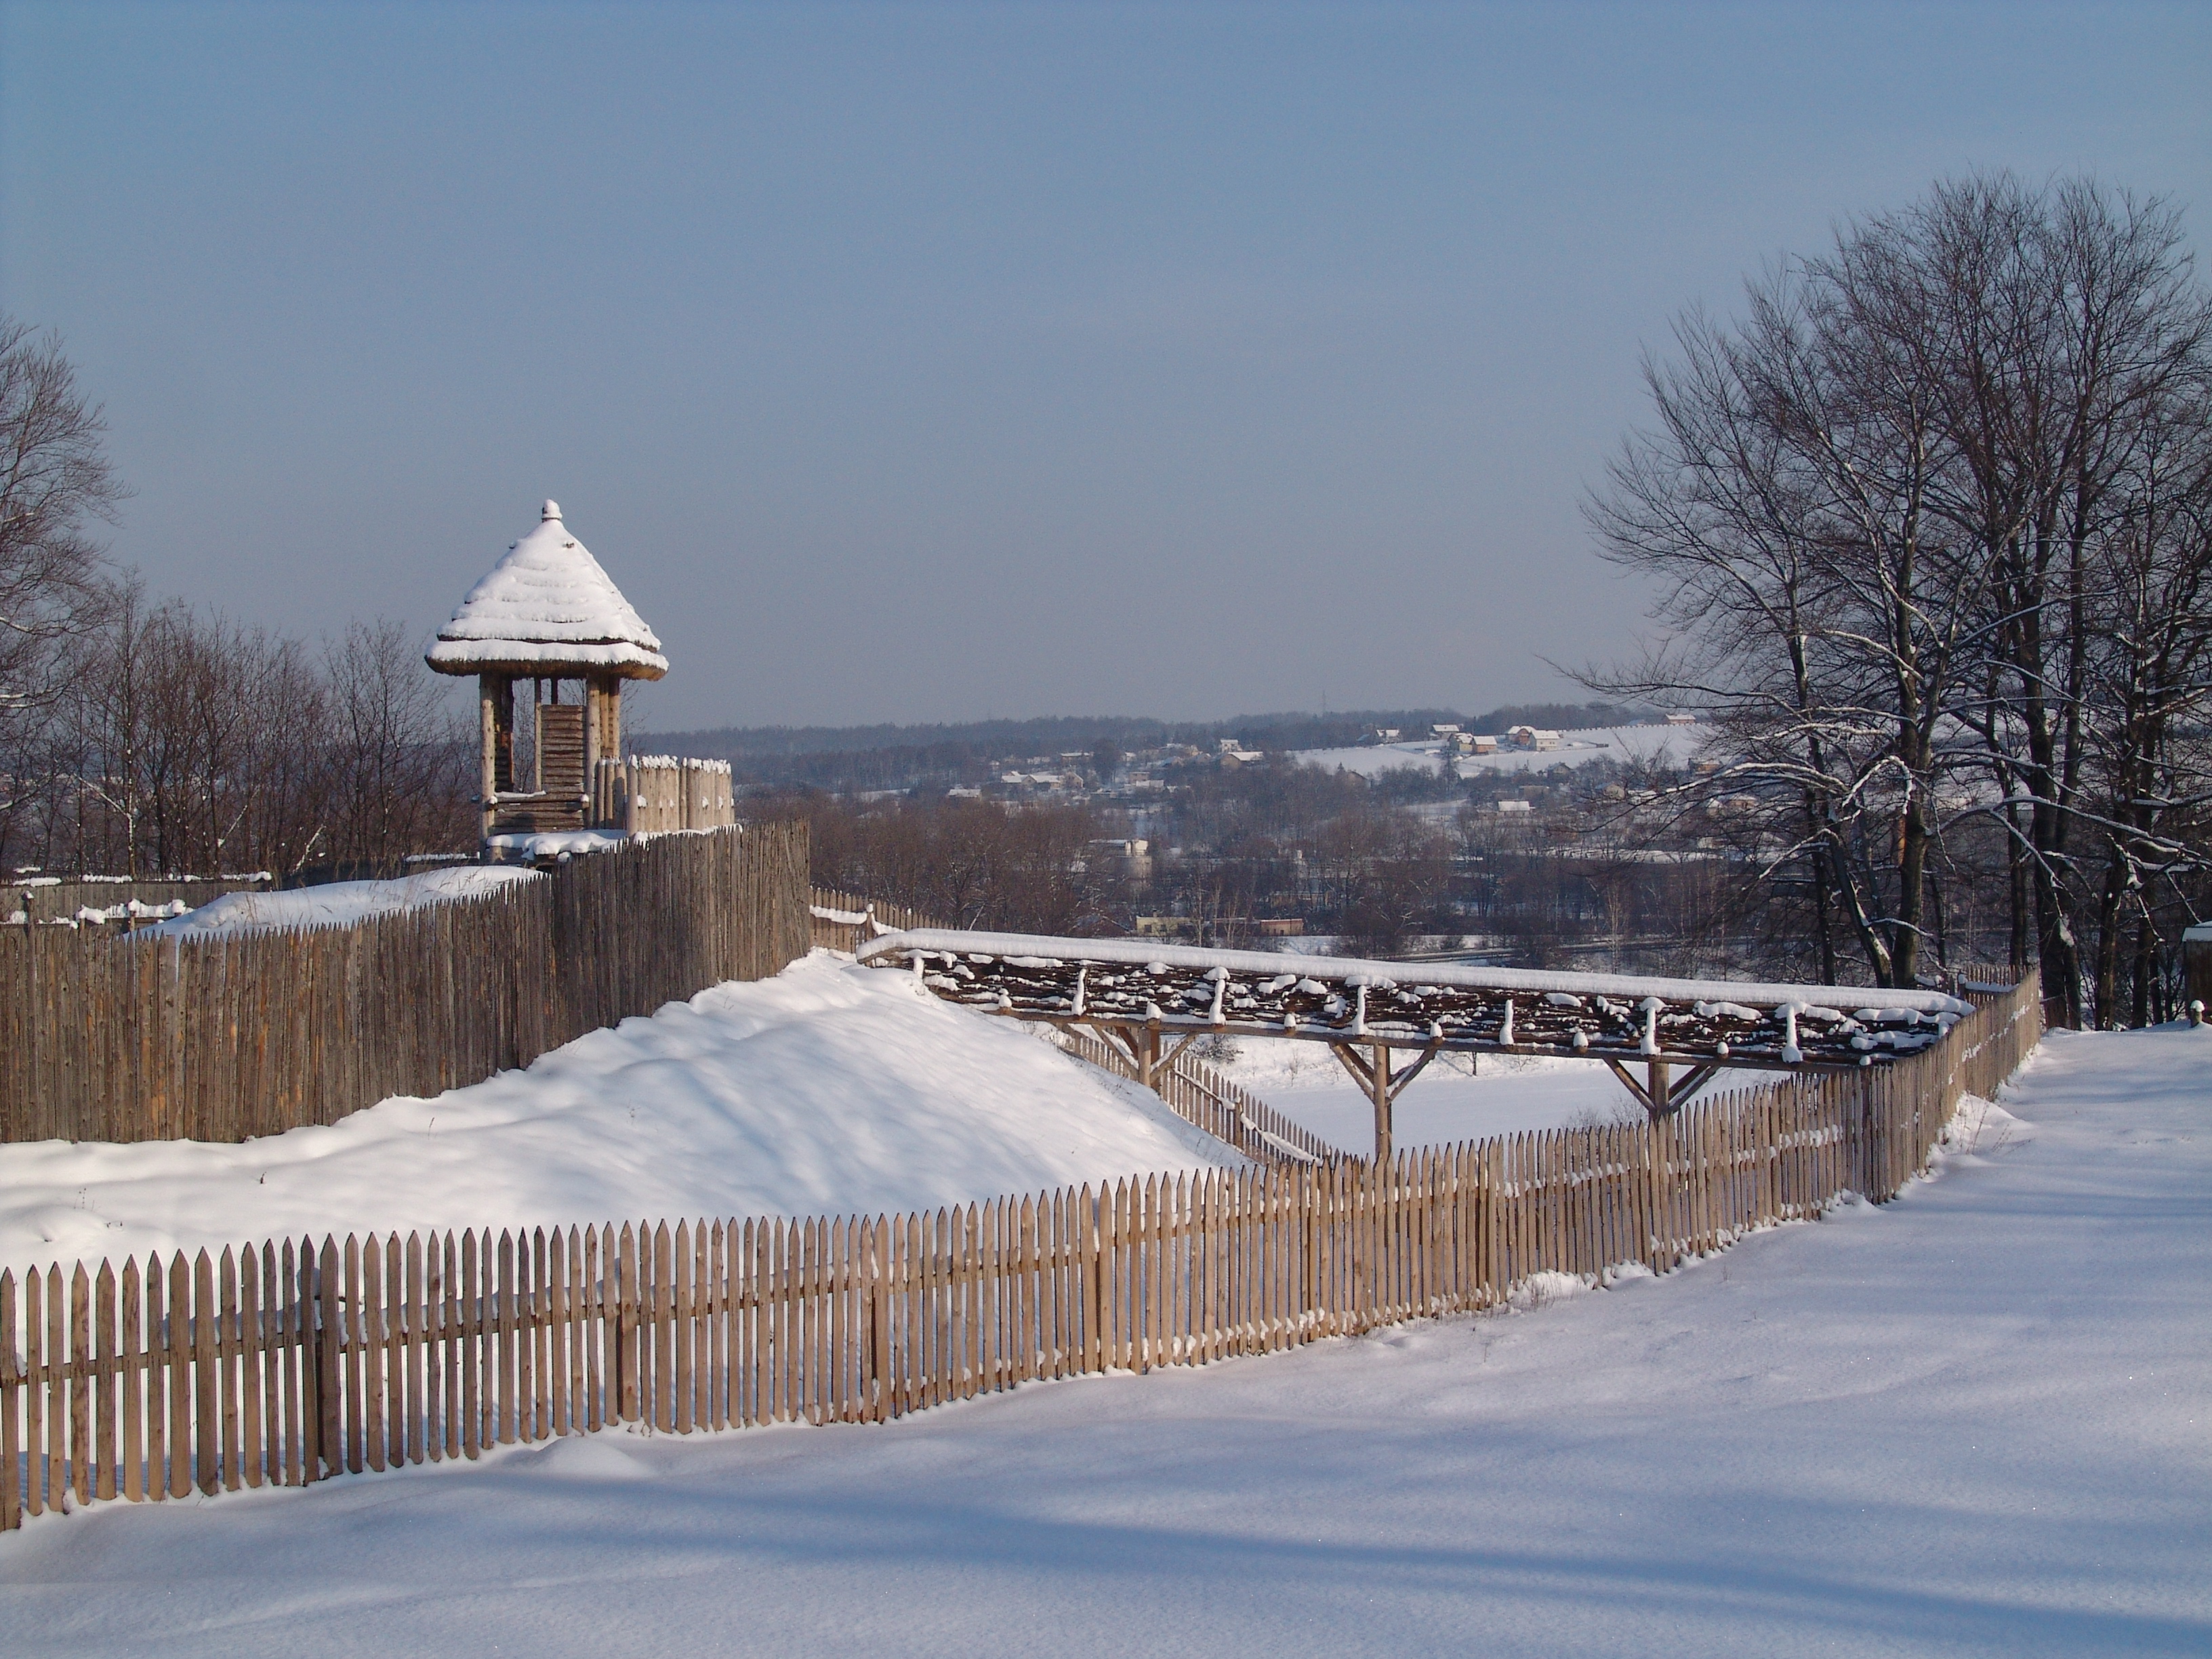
x=552, y=511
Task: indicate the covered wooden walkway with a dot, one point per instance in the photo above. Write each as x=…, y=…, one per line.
x=1386, y=1021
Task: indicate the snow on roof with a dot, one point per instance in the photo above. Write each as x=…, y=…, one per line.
x=1346, y=970
x=547, y=606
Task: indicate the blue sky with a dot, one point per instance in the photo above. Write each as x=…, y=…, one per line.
x=922, y=362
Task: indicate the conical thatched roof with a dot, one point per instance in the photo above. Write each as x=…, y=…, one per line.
x=547, y=608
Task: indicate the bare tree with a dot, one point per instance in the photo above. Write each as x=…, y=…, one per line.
x=1911, y=554
x=54, y=481
x=391, y=750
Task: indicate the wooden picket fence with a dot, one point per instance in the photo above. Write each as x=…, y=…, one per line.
x=288, y=1361
x=226, y=1036
x=1204, y=1098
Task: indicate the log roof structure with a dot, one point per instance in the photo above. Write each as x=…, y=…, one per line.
x=548, y=608
x=549, y=622
x=1136, y=995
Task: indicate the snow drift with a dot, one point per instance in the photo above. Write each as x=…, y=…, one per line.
x=827, y=1090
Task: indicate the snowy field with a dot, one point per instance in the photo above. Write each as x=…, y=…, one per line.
x=1971, y=1422
x=1507, y=1094
x=1633, y=745
x=830, y=1090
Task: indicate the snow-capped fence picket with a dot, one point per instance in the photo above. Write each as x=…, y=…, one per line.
x=653, y=794
x=286, y=1363
x=225, y=1036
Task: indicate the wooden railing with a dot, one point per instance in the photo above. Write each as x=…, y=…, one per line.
x=1203, y=1097
x=1194, y=1091
x=841, y=920
x=226, y=1036
x=288, y=1361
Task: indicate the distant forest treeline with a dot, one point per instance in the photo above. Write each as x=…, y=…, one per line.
x=890, y=757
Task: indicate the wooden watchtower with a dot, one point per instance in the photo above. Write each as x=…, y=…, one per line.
x=546, y=618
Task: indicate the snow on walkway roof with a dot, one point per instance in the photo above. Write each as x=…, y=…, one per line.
x=1348, y=970
x=1420, y=1004
x=547, y=607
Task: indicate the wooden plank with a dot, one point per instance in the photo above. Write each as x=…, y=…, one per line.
x=34, y=1404
x=558, y=1374
x=1093, y=1292
x=291, y=1359
x=682, y=1327
x=1058, y=1328
x=465, y=1338
x=229, y=1349
x=716, y=1313
x=809, y=1309
x=622, y=1383
x=911, y=1309
x=96, y=1355
x=1019, y=1296
x=506, y=1376
x=81, y=1376
x=255, y=1425
x=597, y=1374
x=12, y=1391
x=414, y=1415
x=200, y=1357
x=132, y=1357
x=369, y=1350
x=177, y=1383
x=352, y=1337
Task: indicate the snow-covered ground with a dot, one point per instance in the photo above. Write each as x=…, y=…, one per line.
x=339, y=904
x=1970, y=1422
x=830, y=1090
x=1635, y=745
x=1507, y=1093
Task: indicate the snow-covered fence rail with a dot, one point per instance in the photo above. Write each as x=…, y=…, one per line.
x=841, y=920
x=222, y=1037
x=288, y=1361
x=51, y=901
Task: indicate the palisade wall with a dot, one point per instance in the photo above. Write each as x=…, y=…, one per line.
x=225, y=1036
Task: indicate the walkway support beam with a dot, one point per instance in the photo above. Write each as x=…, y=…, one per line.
x=1371, y=1072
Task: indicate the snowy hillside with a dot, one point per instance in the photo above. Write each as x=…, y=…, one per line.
x=1637, y=744
x=1971, y=1422
x=830, y=1090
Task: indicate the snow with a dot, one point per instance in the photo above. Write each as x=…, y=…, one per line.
x=1635, y=744
x=1972, y=1422
x=557, y=843
x=547, y=604
x=338, y=903
x=826, y=1089
x=677, y=762
x=129, y=911
x=1351, y=969
x=1507, y=1094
